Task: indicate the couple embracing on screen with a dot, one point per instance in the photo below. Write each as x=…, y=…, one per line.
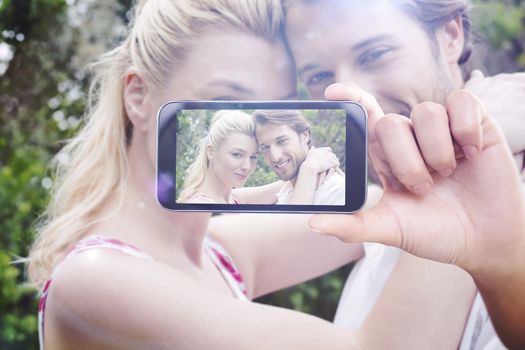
x=228, y=154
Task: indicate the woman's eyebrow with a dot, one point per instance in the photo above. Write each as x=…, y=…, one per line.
x=232, y=85
x=306, y=68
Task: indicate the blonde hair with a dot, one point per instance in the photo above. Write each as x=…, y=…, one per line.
x=224, y=124
x=96, y=159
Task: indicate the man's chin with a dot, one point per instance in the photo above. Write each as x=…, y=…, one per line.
x=289, y=177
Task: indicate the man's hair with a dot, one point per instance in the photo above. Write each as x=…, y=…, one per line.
x=434, y=13
x=431, y=14
x=290, y=117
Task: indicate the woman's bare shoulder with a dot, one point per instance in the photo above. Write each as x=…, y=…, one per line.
x=114, y=299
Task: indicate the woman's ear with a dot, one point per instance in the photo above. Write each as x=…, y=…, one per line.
x=209, y=152
x=451, y=40
x=135, y=101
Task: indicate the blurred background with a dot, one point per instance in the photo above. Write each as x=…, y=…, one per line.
x=45, y=46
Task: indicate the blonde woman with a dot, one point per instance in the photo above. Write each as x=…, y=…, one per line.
x=227, y=157
x=119, y=272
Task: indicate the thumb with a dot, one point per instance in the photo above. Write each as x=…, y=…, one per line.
x=374, y=225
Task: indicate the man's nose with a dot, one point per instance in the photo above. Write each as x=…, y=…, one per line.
x=275, y=154
x=346, y=74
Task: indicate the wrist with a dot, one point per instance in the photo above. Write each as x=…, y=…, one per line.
x=507, y=265
x=309, y=168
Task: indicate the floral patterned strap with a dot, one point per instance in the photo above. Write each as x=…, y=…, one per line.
x=227, y=267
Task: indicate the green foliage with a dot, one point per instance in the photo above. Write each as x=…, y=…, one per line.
x=501, y=25
x=317, y=297
x=499, y=22
x=39, y=105
x=22, y=197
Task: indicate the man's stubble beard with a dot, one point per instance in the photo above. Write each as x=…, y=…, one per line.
x=295, y=174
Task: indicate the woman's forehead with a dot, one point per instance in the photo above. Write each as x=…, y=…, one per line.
x=239, y=60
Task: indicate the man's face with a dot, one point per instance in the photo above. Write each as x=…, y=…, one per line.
x=282, y=148
x=375, y=45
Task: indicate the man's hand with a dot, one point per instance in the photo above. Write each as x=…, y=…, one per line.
x=320, y=159
x=452, y=193
x=503, y=96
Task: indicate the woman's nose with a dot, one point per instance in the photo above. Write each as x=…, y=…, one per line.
x=245, y=165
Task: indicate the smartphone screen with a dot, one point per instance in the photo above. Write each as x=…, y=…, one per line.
x=275, y=156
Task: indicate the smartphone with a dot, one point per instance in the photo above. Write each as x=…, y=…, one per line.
x=263, y=169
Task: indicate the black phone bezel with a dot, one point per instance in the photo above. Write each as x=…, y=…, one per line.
x=356, y=156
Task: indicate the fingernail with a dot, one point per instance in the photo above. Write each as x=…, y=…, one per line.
x=446, y=172
x=470, y=151
x=422, y=189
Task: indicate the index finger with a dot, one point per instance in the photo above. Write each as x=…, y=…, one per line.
x=352, y=92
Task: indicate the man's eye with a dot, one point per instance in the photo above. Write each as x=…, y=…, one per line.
x=321, y=77
x=263, y=149
x=374, y=55
x=282, y=142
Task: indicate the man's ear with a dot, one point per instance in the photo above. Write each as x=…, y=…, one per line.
x=135, y=101
x=451, y=39
x=305, y=136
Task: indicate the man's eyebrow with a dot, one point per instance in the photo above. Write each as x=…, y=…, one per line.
x=359, y=46
x=233, y=86
x=370, y=41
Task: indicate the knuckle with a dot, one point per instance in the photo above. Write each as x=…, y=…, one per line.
x=428, y=111
x=462, y=98
x=389, y=123
x=464, y=130
x=440, y=162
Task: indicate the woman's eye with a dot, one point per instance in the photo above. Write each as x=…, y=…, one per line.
x=322, y=77
x=263, y=149
x=225, y=98
x=236, y=155
x=253, y=157
x=282, y=142
x=374, y=55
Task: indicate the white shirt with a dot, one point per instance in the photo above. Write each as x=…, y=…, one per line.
x=366, y=282
x=331, y=192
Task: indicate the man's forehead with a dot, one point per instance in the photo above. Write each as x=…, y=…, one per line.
x=270, y=131
x=363, y=17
